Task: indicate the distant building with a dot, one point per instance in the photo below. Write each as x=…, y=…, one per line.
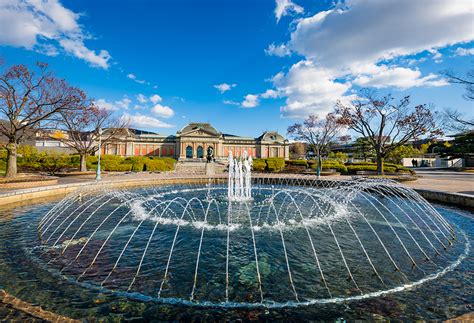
x=189, y=144
x=28, y=135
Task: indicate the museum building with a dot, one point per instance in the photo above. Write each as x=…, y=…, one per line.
x=192, y=142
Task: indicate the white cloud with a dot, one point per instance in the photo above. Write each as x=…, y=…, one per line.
x=269, y=94
x=224, y=87
x=39, y=25
x=162, y=111
x=250, y=101
x=367, y=31
x=47, y=49
x=309, y=89
x=286, y=7
x=135, y=79
x=278, y=50
x=155, y=98
x=358, y=41
x=122, y=104
x=229, y=102
x=78, y=49
x=464, y=51
x=398, y=77
x=103, y=104
x=140, y=120
x=436, y=55
x=253, y=100
x=141, y=98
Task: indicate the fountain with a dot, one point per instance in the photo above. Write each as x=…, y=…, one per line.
x=252, y=242
x=239, y=181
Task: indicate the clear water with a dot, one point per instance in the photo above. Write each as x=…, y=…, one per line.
x=187, y=260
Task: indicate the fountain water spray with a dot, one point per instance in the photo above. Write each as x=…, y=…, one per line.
x=294, y=241
x=240, y=180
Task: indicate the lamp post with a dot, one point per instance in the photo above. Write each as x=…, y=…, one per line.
x=97, y=174
x=318, y=152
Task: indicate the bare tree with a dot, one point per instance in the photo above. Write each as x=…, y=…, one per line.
x=81, y=128
x=344, y=139
x=29, y=97
x=298, y=149
x=467, y=81
x=457, y=121
x=317, y=132
x=386, y=123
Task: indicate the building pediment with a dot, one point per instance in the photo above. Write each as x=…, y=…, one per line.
x=199, y=132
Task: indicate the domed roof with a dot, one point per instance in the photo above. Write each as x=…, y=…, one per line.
x=271, y=136
x=199, y=126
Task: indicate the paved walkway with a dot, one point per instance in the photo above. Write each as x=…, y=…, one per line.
x=442, y=180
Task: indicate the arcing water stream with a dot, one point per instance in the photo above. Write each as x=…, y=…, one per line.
x=251, y=243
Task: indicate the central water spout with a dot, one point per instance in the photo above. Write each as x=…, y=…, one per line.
x=240, y=181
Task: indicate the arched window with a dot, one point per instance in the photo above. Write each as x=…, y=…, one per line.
x=200, y=152
x=189, y=152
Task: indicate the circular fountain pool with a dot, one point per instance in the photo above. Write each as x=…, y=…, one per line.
x=294, y=246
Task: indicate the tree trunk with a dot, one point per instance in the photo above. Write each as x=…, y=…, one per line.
x=11, y=160
x=379, y=164
x=83, y=167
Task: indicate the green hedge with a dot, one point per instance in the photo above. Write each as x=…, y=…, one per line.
x=353, y=169
x=30, y=159
x=134, y=164
x=273, y=164
x=297, y=162
x=259, y=165
x=368, y=166
x=331, y=164
x=46, y=162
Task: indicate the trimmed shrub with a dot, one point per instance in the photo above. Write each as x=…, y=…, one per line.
x=340, y=168
x=275, y=164
x=259, y=165
x=137, y=162
x=116, y=163
x=167, y=163
x=46, y=162
x=297, y=162
x=331, y=164
x=353, y=169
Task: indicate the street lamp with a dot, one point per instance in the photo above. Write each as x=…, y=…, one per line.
x=97, y=174
x=318, y=152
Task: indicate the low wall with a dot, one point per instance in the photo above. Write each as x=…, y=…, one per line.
x=456, y=199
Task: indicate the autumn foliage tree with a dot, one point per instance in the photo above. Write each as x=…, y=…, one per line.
x=28, y=98
x=387, y=123
x=317, y=132
x=81, y=126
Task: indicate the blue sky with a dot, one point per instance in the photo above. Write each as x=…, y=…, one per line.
x=245, y=66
